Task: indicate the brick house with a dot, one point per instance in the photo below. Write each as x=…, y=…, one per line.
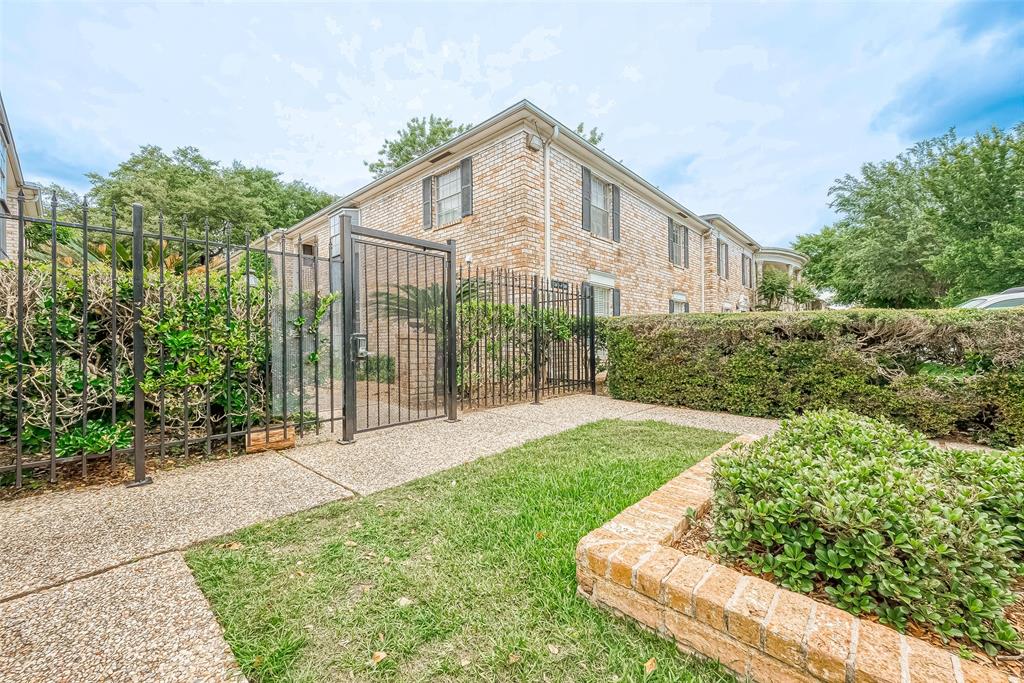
x=522, y=191
x=11, y=183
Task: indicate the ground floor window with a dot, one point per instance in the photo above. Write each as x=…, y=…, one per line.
x=679, y=303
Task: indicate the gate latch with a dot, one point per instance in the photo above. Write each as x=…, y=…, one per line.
x=359, y=350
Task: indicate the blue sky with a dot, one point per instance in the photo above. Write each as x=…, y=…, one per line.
x=746, y=109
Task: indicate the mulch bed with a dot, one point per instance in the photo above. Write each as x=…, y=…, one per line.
x=695, y=540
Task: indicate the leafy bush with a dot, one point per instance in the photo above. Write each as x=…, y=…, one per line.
x=943, y=372
x=204, y=355
x=880, y=520
x=377, y=368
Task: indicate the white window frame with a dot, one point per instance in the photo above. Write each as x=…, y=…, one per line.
x=679, y=246
x=606, y=284
x=452, y=214
x=723, y=258
x=597, y=209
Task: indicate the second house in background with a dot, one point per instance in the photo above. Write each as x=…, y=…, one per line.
x=522, y=191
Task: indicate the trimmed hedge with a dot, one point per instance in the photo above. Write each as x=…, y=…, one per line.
x=875, y=518
x=946, y=372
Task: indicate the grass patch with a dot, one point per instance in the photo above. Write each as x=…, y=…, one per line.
x=484, y=552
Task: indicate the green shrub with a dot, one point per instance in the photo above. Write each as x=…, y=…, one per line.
x=199, y=351
x=880, y=520
x=377, y=368
x=942, y=372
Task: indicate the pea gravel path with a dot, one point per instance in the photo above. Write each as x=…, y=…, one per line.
x=92, y=582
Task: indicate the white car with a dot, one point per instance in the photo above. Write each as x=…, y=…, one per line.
x=1005, y=300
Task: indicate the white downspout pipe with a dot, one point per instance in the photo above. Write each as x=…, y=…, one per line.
x=547, y=204
x=703, y=272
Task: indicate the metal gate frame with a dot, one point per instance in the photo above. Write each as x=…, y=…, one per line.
x=353, y=353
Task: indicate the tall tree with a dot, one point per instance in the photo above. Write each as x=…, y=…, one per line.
x=186, y=184
x=942, y=222
x=417, y=138
x=594, y=137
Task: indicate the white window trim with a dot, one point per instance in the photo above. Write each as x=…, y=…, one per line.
x=457, y=170
x=606, y=283
x=607, y=209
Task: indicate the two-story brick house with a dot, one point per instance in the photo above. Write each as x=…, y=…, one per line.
x=522, y=191
x=11, y=183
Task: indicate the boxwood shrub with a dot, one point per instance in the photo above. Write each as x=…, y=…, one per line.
x=872, y=516
x=941, y=372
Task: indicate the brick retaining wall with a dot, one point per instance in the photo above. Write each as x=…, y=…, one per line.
x=753, y=627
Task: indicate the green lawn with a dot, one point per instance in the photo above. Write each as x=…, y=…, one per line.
x=465, y=575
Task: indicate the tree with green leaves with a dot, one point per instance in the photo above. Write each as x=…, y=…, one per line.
x=772, y=290
x=940, y=223
x=594, y=137
x=417, y=138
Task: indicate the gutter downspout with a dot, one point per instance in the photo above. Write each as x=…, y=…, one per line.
x=547, y=203
x=703, y=272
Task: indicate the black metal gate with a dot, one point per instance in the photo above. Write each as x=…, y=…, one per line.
x=398, y=323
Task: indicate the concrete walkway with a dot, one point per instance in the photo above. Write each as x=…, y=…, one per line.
x=92, y=582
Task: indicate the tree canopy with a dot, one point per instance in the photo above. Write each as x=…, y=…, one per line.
x=594, y=137
x=940, y=223
x=417, y=138
x=184, y=183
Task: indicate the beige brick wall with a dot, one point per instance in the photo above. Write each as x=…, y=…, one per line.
x=639, y=262
x=721, y=293
x=506, y=230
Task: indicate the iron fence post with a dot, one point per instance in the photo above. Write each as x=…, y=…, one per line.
x=138, y=350
x=21, y=341
x=451, y=407
x=348, y=330
x=535, y=301
x=591, y=337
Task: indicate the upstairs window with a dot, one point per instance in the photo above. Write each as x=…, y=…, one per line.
x=723, y=258
x=600, y=207
x=678, y=244
x=449, y=196
x=3, y=168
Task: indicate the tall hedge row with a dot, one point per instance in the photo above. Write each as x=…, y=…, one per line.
x=947, y=372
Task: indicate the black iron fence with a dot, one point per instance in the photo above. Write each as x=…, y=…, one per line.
x=521, y=338
x=166, y=339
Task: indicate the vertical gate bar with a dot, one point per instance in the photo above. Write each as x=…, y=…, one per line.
x=365, y=289
x=138, y=350
x=160, y=255
x=330, y=321
x=419, y=339
x=284, y=341
x=18, y=427
x=536, y=320
x=113, y=330
x=591, y=341
x=578, y=334
x=229, y=361
x=376, y=322
x=460, y=345
x=268, y=387
x=316, y=336
x=300, y=256
x=452, y=408
x=53, y=338
x=348, y=317
x=249, y=353
x=208, y=424
x=478, y=380
x=440, y=326
x=186, y=426
x=85, y=332
x=387, y=339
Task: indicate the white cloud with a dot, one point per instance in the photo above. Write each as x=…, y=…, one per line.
x=631, y=73
x=310, y=74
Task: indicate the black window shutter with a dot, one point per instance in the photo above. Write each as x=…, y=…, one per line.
x=428, y=202
x=616, y=302
x=671, y=305
x=615, y=213
x=671, y=240
x=726, y=260
x=466, y=173
x=686, y=247
x=686, y=307
x=586, y=199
